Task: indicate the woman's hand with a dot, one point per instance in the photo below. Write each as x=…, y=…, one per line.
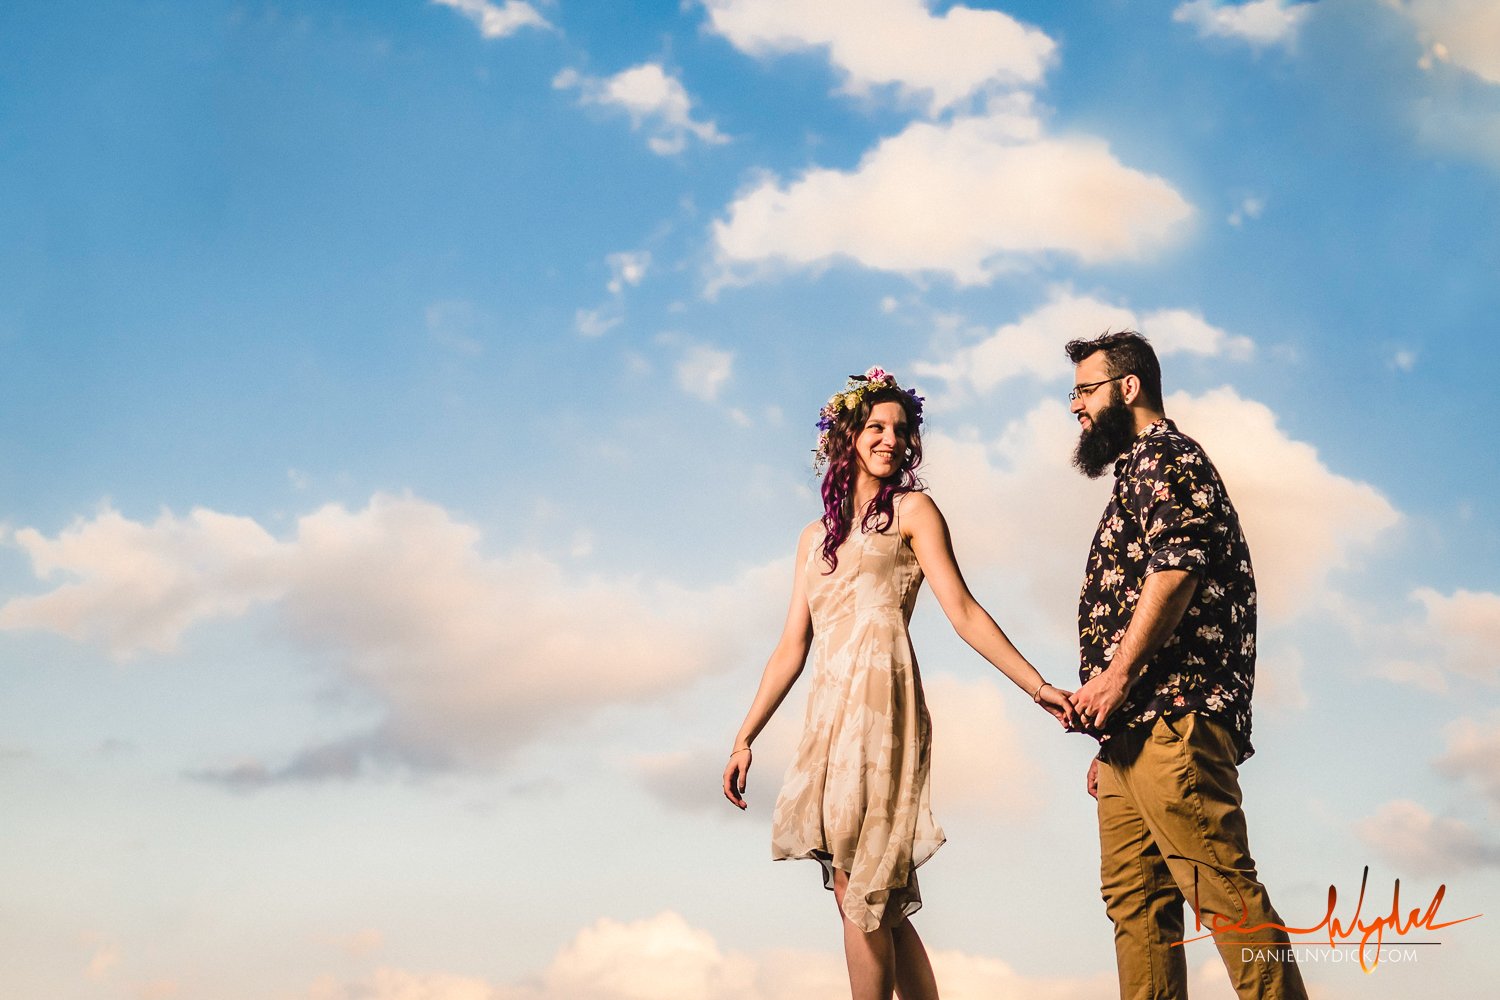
x=735, y=773
x=1059, y=704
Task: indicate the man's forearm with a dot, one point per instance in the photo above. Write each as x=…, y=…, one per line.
x=1165, y=596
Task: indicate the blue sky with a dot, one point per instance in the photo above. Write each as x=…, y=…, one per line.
x=407, y=423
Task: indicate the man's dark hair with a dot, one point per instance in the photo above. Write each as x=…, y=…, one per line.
x=1125, y=353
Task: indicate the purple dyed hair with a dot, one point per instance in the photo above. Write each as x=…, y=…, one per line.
x=838, y=481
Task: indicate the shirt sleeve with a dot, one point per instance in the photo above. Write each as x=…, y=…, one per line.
x=1173, y=500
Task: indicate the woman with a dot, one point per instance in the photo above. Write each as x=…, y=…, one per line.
x=856, y=796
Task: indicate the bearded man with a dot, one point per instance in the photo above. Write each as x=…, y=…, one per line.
x=1166, y=625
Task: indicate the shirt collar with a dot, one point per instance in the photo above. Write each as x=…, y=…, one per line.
x=1155, y=428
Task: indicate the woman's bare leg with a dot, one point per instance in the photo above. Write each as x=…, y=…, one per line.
x=914, y=978
x=885, y=960
x=871, y=956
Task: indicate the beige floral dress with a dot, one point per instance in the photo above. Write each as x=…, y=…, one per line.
x=856, y=796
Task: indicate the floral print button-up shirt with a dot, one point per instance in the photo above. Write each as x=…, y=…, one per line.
x=1169, y=510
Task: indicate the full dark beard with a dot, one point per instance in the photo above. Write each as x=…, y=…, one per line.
x=1112, y=432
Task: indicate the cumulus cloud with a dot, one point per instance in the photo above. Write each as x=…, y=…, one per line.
x=655, y=101
x=1473, y=754
x=1260, y=22
x=139, y=586
x=468, y=655
x=1182, y=331
x=1414, y=840
x=979, y=763
x=702, y=371
x=1303, y=520
x=665, y=958
x=966, y=198
x=1033, y=345
x=896, y=44
x=497, y=21
x=1462, y=33
x=1459, y=633
x=1016, y=501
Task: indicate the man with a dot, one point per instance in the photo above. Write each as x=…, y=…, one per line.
x=1166, y=625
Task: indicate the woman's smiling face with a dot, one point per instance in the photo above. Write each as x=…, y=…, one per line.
x=881, y=444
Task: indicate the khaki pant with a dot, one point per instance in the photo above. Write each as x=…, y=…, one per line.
x=1173, y=803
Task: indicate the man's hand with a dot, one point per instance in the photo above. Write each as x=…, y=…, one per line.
x=1098, y=698
x=1091, y=783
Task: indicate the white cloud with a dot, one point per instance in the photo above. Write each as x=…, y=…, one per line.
x=597, y=322
x=498, y=21
x=665, y=958
x=703, y=371
x=979, y=764
x=468, y=655
x=1015, y=500
x=1250, y=207
x=1401, y=360
x=1469, y=128
x=894, y=43
x=967, y=198
x=1473, y=753
x=627, y=269
x=1415, y=841
x=1460, y=632
x=656, y=102
x=1260, y=22
x=1181, y=331
x=140, y=585
x=661, y=958
x=978, y=761
x=1303, y=520
x=1462, y=33
x=1033, y=345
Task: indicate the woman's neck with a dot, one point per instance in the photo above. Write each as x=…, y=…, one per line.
x=866, y=487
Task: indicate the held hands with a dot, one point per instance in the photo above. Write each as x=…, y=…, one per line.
x=1100, y=696
x=735, y=773
x=1059, y=705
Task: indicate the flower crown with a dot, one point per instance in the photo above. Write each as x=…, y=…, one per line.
x=854, y=392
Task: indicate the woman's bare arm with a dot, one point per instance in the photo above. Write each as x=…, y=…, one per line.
x=924, y=525
x=782, y=671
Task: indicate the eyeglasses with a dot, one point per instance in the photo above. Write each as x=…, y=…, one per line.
x=1083, y=390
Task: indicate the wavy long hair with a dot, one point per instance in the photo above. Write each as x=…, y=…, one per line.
x=838, y=481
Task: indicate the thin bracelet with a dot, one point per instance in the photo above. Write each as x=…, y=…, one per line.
x=1036, y=695
x=740, y=750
